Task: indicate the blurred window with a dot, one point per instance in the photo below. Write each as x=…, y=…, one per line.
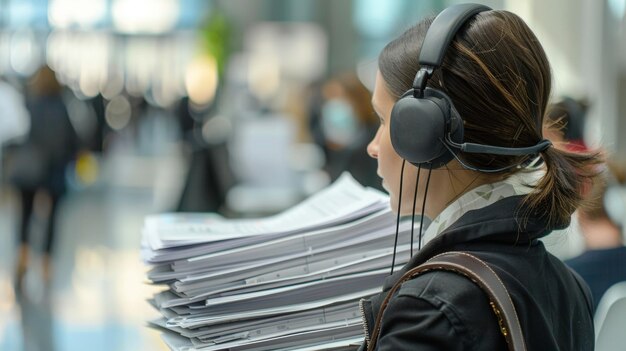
x=24, y=13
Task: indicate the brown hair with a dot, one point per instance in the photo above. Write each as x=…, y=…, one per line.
x=44, y=82
x=567, y=117
x=498, y=77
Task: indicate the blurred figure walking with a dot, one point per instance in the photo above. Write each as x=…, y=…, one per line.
x=37, y=166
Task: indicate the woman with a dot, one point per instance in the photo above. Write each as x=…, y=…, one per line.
x=490, y=200
x=40, y=165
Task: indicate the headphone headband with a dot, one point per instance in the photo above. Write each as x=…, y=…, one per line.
x=438, y=38
x=443, y=29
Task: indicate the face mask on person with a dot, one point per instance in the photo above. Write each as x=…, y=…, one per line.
x=339, y=123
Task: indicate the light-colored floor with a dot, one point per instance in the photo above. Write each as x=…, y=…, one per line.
x=96, y=300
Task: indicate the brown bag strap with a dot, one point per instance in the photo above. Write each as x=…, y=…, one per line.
x=480, y=273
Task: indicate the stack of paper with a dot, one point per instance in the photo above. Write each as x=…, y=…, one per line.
x=285, y=282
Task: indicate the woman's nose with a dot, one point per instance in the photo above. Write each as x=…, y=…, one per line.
x=372, y=147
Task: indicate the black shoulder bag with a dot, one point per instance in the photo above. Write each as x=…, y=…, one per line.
x=480, y=273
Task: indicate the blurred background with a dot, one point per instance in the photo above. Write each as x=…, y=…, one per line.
x=114, y=109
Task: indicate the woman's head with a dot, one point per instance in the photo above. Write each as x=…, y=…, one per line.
x=496, y=73
x=498, y=77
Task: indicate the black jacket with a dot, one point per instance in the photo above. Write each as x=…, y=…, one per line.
x=445, y=311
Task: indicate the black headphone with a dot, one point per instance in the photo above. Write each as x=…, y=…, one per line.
x=425, y=128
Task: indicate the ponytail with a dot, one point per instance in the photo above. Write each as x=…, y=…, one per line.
x=562, y=189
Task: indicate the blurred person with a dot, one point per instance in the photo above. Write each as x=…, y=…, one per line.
x=209, y=175
x=470, y=112
x=601, y=221
x=342, y=122
x=38, y=165
x=565, y=124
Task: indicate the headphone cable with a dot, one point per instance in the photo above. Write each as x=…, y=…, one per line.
x=419, y=243
x=417, y=181
x=395, y=244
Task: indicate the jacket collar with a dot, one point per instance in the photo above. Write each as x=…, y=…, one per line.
x=520, y=183
x=500, y=222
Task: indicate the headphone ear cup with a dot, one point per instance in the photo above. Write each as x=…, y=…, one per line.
x=416, y=127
